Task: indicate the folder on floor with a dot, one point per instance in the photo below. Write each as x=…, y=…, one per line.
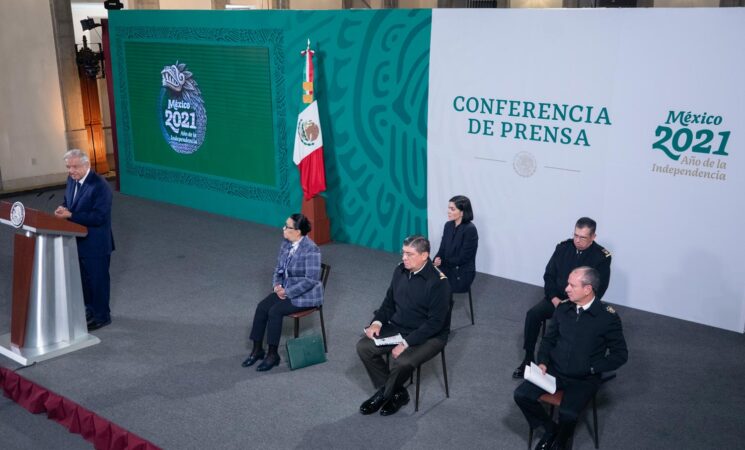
x=305, y=351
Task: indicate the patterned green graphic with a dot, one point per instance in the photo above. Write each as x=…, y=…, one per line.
x=238, y=100
x=371, y=75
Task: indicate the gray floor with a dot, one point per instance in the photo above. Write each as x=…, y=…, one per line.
x=184, y=287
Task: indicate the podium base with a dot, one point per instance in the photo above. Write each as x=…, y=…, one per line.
x=29, y=356
x=315, y=210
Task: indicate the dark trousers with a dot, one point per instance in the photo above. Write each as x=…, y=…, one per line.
x=577, y=393
x=542, y=310
x=393, y=378
x=94, y=275
x=268, y=317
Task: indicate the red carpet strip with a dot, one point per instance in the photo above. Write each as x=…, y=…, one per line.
x=97, y=430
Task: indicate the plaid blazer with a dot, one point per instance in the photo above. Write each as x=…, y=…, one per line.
x=300, y=274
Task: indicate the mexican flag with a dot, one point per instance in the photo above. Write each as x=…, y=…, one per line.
x=308, y=154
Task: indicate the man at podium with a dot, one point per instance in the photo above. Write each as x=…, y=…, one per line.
x=88, y=203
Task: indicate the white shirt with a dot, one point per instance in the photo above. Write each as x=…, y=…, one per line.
x=586, y=306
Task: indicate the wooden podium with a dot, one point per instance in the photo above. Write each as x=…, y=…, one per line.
x=48, y=312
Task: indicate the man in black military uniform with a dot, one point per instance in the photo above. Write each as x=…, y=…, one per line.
x=417, y=305
x=585, y=338
x=582, y=250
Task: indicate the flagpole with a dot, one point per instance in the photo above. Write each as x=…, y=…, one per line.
x=315, y=208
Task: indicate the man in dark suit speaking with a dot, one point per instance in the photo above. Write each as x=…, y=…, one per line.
x=88, y=203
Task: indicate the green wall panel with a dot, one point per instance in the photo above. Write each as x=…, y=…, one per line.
x=371, y=84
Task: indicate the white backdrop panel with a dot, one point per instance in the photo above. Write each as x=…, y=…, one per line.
x=675, y=239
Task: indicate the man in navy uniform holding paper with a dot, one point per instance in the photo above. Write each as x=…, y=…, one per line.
x=581, y=250
x=585, y=338
x=417, y=305
x=88, y=203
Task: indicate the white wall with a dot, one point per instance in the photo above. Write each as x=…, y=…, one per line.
x=535, y=3
x=676, y=233
x=185, y=4
x=315, y=4
x=685, y=3
x=32, y=128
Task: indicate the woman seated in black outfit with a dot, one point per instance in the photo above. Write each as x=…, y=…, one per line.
x=297, y=287
x=456, y=257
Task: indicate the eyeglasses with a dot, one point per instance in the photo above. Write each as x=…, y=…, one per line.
x=286, y=227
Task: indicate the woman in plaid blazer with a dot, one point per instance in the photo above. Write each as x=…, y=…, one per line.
x=297, y=287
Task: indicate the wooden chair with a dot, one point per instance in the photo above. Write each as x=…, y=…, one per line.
x=325, y=269
x=554, y=401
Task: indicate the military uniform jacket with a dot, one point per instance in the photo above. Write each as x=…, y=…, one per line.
x=576, y=345
x=565, y=259
x=417, y=305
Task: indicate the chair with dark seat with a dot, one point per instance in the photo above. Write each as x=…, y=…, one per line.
x=554, y=401
x=444, y=366
x=325, y=269
x=419, y=368
x=470, y=302
x=444, y=375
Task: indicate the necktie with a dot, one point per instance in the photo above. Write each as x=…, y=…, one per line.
x=75, y=193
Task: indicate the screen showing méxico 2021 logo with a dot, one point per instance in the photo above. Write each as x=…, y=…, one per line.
x=183, y=118
x=172, y=88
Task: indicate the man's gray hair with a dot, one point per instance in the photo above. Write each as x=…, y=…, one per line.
x=589, y=276
x=76, y=153
x=420, y=243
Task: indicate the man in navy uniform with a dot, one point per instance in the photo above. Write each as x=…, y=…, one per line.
x=88, y=203
x=417, y=305
x=585, y=338
x=581, y=250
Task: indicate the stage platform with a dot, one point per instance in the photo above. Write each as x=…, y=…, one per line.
x=184, y=288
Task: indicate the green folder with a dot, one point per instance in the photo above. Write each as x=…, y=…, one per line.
x=305, y=351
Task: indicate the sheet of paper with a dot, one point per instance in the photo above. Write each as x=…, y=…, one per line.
x=391, y=340
x=544, y=381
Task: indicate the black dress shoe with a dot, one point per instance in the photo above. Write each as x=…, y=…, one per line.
x=547, y=442
x=252, y=358
x=399, y=399
x=268, y=362
x=95, y=325
x=520, y=371
x=373, y=403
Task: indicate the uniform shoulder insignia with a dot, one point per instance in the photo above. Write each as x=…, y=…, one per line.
x=606, y=253
x=610, y=309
